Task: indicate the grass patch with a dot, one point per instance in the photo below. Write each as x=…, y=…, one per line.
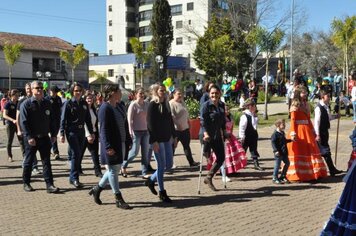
x=271, y=119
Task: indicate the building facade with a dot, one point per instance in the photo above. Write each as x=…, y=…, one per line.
x=39, y=54
x=122, y=69
x=129, y=18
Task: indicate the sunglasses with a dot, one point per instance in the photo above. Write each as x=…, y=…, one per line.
x=38, y=88
x=77, y=91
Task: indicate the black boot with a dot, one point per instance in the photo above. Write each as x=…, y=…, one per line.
x=332, y=169
x=98, y=172
x=209, y=181
x=257, y=165
x=95, y=191
x=120, y=202
x=151, y=185
x=163, y=196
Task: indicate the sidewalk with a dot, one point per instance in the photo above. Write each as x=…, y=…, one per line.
x=251, y=204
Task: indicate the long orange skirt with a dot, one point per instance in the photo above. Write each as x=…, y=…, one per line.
x=306, y=163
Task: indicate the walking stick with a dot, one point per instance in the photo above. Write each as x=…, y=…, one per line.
x=201, y=166
x=337, y=129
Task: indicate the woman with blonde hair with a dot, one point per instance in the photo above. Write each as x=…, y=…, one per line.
x=306, y=163
x=161, y=130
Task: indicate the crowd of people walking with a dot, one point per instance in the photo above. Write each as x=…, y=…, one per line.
x=114, y=133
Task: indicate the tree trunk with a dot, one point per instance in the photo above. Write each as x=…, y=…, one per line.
x=347, y=69
x=10, y=75
x=141, y=76
x=265, y=115
x=72, y=75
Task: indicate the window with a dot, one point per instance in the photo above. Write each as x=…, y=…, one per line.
x=189, y=39
x=179, y=24
x=110, y=22
x=110, y=52
x=58, y=64
x=110, y=73
x=189, y=22
x=176, y=10
x=110, y=8
x=144, y=31
x=145, y=45
x=179, y=41
x=146, y=2
x=130, y=32
x=145, y=15
x=110, y=38
x=190, y=6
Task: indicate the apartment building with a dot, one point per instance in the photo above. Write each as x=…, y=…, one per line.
x=130, y=18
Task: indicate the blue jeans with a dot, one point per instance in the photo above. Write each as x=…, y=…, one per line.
x=277, y=164
x=112, y=175
x=354, y=110
x=75, y=147
x=164, y=159
x=140, y=138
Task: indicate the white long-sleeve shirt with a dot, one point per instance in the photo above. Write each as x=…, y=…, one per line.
x=243, y=123
x=317, y=116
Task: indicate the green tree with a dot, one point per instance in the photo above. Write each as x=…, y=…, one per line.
x=100, y=77
x=12, y=53
x=162, y=34
x=344, y=37
x=268, y=42
x=218, y=52
x=74, y=58
x=142, y=56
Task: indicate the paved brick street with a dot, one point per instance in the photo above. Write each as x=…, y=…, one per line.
x=251, y=204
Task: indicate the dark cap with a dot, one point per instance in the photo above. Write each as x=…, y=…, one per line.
x=55, y=89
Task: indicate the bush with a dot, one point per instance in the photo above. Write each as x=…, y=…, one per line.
x=236, y=117
x=261, y=97
x=193, y=108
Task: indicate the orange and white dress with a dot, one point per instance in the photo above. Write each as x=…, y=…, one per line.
x=306, y=162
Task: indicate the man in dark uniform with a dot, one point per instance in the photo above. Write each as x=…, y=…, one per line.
x=36, y=122
x=75, y=114
x=35, y=170
x=56, y=102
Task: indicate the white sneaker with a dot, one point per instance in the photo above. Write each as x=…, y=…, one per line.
x=36, y=171
x=225, y=179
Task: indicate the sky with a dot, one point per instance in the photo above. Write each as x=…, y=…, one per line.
x=83, y=21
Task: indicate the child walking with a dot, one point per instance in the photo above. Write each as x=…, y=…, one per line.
x=279, y=145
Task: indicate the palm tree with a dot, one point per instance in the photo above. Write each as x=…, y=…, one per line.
x=142, y=56
x=344, y=36
x=268, y=42
x=74, y=58
x=12, y=53
x=99, y=77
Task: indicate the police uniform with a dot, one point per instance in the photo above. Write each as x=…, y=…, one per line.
x=56, y=103
x=11, y=129
x=36, y=120
x=74, y=115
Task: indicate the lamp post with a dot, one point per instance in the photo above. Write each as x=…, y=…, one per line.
x=159, y=60
x=43, y=75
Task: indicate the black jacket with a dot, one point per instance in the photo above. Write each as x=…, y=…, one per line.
x=279, y=143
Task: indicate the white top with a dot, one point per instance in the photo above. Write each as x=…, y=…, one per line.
x=353, y=93
x=93, y=122
x=317, y=115
x=243, y=123
x=242, y=102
